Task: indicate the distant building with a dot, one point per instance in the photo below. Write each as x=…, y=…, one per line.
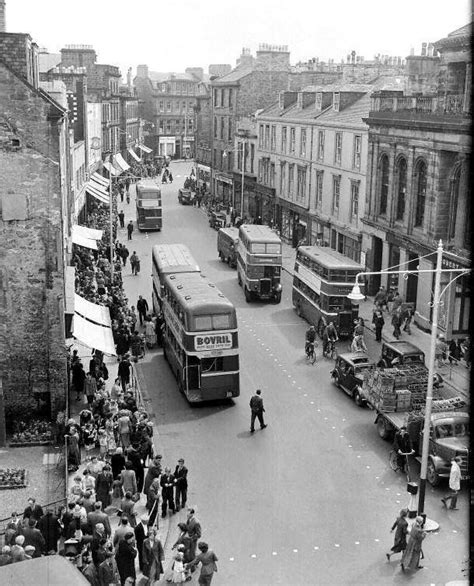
x=254, y=84
x=167, y=102
x=418, y=180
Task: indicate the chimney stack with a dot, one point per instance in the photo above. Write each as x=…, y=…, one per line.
x=423, y=49
x=3, y=17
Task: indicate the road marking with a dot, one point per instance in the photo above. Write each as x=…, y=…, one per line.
x=274, y=553
x=316, y=547
x=357, y=542
x=253, y=555
x=337, y=545
x=295, y=551
x=231, y=559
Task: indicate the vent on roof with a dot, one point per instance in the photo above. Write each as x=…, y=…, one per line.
x=187, y=297
x=180, y=287
x=319, y=101
x=336, y=99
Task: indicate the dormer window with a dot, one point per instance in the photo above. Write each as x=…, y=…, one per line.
x=319, y=101
x=335, y=101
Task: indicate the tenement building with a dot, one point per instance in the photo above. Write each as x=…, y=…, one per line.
x=34, y=219
x=417, y=185
x=167, y=103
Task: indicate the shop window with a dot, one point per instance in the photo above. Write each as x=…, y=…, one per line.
x=319, y=189
x=384, y=183
x=402, y=188
x=420, y=183
x=357, y=151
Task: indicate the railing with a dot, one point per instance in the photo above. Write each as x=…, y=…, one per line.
x=453, y=104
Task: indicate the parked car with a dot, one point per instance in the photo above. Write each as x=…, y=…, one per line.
x=217, y=220
x=185, y=197
x=348, y=373
x=227, y=240
x=400, y=352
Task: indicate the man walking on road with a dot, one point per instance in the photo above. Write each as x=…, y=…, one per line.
x=130, y=229
x=181, y=482
x=257, y=409
x=121, y=216
x=142, y=308
x=454, y=484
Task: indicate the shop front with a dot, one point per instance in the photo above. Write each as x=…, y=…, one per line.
x=264, y=204
x=244, y=203
x=203, y=176
x=294, y=223
x=223, y=188
x=455, y=302
x=167, y=146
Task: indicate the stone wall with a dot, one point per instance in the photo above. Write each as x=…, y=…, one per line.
x=32, y=350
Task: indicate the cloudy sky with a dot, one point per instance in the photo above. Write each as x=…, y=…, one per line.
x=172, y=35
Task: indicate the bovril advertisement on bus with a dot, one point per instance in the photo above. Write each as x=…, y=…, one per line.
x=221, y=341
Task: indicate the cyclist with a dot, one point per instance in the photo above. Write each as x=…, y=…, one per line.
x=402, y=444
x=310, y=338
x=329, y=335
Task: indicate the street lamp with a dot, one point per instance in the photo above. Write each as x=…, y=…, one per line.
x=356, y=295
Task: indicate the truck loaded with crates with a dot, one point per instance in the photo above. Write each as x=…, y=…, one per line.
x=398, y=395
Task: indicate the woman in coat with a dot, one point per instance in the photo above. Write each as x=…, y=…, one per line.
x=411, y=556
x=127, y=506
x=104, y=486
x=401, y=529
x=208, y=561
x=125, y=557
x=153, y=500
x=129, y=479
x=153, y=556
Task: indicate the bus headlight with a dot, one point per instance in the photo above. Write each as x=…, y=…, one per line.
x=277, y=287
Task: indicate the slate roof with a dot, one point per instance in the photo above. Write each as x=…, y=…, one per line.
x=47, y=61
x=235, y=75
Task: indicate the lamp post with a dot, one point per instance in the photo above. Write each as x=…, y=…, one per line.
x=356, y=295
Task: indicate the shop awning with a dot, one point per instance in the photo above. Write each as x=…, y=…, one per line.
x=99, y=179
x=54, y=570
x=134, y=155
x=93, y=335
x=99, y=314
x=81, y=241
x=111, y=169
x=87, y=232
x=144, y=148
x=70, y=287
x=121, y=162
x=97, y=191
x=203, y=168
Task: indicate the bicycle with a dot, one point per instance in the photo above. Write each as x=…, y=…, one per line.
x=394, y=463
x=329, y=351
x=310, y=353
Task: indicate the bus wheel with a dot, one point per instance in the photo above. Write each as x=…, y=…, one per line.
x=277, y=298
x=248, y=295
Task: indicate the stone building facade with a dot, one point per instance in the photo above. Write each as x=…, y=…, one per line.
x=418, y=181
x=254, y=84
x=168, y=102
x=35, y=207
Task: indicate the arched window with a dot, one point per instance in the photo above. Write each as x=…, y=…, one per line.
x=383, y=174
x=420, y=186
x=402, y=188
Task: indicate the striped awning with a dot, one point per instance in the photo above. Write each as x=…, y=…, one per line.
x=134, y=155
x=144, y=148
x=100, y=179
x=111, y=169
x=121, y=162
x=97, y=190
x=93, y=335
x=99, y=314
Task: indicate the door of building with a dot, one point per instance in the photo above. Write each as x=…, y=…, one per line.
x=412, y=280
x=377, y=250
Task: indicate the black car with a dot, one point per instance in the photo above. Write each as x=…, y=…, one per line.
x=400, y=352
x=185, y=196
x=348, y=373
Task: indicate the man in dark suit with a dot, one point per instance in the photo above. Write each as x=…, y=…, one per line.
x=33, y=510
x=33, y=537
x=257, y=410
x=181, y=482
x=153, y=557
x=141, y=533
x=194, y=532
x=167, y=486
x=98, y=516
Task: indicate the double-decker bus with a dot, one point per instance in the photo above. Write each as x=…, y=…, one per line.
x=166, y=260
x=149, y=211
x=322, y=280
x=200, y=340
x=259, y=261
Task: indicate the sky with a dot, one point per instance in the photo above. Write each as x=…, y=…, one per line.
x=173, y=35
